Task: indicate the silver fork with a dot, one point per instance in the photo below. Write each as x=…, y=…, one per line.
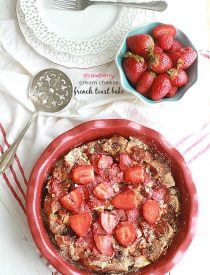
x=78, y=5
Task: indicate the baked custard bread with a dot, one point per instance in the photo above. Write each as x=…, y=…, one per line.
x=111, y=205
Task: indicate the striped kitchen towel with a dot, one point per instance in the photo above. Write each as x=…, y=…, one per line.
x=193, y=147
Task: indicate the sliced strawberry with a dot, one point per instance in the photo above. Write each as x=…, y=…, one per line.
x=94, y=161
x=72, y=201
x=97, y=229
x=88, y=243
x=125, y=200
x=83, y=174
x=103, y=191
x=98, y=180
x=101, y=162
x=159, y=193
x=126, y=233
x=164, y=29
x=108, y=221
x=95, y=252
x=80, y=223
x=104, y=244
x=125, y=161
x=134, y=175
x=140, y=44
x=132, y=215
x=151, y=211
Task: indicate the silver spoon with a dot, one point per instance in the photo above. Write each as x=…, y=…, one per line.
x=50, y=91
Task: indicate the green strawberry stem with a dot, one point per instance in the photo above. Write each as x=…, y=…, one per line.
x=153, y=73
x=151, y=49
x=179, y=64
x=172, y=72
x=137, y=57
x=152, y=60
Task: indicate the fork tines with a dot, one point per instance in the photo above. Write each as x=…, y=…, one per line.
x=62, y=4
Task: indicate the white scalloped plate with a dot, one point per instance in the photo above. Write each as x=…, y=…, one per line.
x=64, y=45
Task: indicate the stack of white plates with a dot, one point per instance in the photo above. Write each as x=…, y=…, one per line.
x=80, y=39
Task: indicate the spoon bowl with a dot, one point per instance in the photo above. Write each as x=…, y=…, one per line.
x=50, y=91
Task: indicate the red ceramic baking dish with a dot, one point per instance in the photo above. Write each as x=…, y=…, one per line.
x=97, y=129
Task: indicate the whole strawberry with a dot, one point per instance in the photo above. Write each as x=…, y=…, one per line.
x=133, y=67
x=178, y=77
x=172, y=91
x=175, y=46
x=187, y=58
x=157, y=49
x=160, y=63
x=174, y=57
x=165, y=42
x=161, y=87
x=140, y=44
x=164, y=29
x=145, y=82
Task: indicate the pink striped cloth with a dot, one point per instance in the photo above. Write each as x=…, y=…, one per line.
x=193, y=147
x=15, y=181
x=205, y=53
